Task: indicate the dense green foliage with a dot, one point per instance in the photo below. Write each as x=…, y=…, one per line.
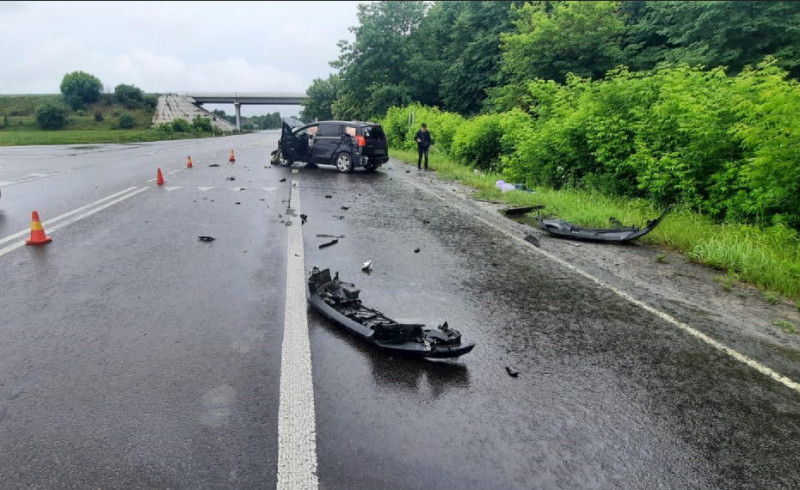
x=688, y=103
x=129, y=95
x=126, y=121
x=51, y=116
x=80, y=89
x=723, y=146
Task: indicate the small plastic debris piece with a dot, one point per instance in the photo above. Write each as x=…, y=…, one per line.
x=328, y=196
x=231, y=178
x=511, y=372
x=328, y=244
x=345, y=208
x=532, y=239
x=282, y=180
x=416, y=250
x=367, y=266
x=304, y=218
x=206, y=238
x=214, y=165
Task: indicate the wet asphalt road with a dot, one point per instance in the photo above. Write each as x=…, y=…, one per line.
x=135, y=356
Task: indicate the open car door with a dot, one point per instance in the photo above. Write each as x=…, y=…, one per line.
x=288, y=142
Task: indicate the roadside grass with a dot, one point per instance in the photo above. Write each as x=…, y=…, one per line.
x=767, y=258
x=785, y=325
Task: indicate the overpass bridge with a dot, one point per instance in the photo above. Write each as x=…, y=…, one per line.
x=239, y=98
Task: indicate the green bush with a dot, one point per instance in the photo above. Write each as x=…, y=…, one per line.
x=181, y=126
x=477, y=142
x=402, y=123
x=201, y=124
x=126, y=121
x=150, y=102
x=80, y=89
x=51, y=116
x=129, y=95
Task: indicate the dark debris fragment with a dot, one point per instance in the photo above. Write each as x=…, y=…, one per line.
x=328, y=244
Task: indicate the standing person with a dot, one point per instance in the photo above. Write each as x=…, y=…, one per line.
x=423, y=139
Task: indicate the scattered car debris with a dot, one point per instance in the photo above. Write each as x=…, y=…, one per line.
x=206, y=238
x=231, y=178
x=416, y=250
x=214, y=165
x=367, y=266
x=282, y=180
x=532, y=239
x=337, y=216
x=425, y=221
x=345, y=208
x=328, y=196
x=565, y=229
x=339, y=302
x=522, y=210
x=237, y=203
x=511, y=372
x=303, y=218
x=328, y=244
x=322, y=235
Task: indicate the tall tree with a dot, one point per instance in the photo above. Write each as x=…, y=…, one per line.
x=731, y=34
x=80, y=89
x=321, y=96
x=471, y=50
x=553, y=39
x=375, y=66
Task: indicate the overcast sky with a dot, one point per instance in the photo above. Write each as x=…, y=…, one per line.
x=173, y=46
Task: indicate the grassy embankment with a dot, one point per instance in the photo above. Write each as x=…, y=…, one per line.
x=767, y=259
x=18, y=124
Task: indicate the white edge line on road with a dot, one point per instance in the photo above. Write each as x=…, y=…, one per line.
x=297, y=440
x=65, y=215
x=69, y=221
x=788, y=382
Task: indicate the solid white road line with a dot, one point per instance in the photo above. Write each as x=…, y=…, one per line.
x=68, y=218
x=788, y=382
x=297, y=440
x=65, y=215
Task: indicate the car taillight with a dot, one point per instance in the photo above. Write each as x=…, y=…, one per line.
x=361, y=141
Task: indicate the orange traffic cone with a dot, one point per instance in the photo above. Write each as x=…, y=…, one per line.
x=232, y=158
x=189, y=161
x=37, y=232
x=160, y=178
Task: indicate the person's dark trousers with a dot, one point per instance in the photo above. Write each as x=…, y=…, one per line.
x=419, y=160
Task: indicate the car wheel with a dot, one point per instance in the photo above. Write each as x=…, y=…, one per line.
x=344, y=162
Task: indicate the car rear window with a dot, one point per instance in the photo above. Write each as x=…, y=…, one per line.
x=374, y=132
x=350, y=130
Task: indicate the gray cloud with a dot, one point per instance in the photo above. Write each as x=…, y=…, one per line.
x=172, y=46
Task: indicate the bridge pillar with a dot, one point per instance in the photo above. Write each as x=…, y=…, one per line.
x=238, y=106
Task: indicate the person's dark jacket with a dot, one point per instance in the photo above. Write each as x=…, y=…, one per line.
x=423, y=139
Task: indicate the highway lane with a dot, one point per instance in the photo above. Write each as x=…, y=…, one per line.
x=134, y=355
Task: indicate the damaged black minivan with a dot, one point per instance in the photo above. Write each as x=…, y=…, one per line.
x=345, y=144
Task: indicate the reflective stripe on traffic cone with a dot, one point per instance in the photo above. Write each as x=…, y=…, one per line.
x=160, y=178
x=232, y=158
x=189, y=161
x=37, y=232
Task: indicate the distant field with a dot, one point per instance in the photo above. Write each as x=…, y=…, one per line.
x=96, y=124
